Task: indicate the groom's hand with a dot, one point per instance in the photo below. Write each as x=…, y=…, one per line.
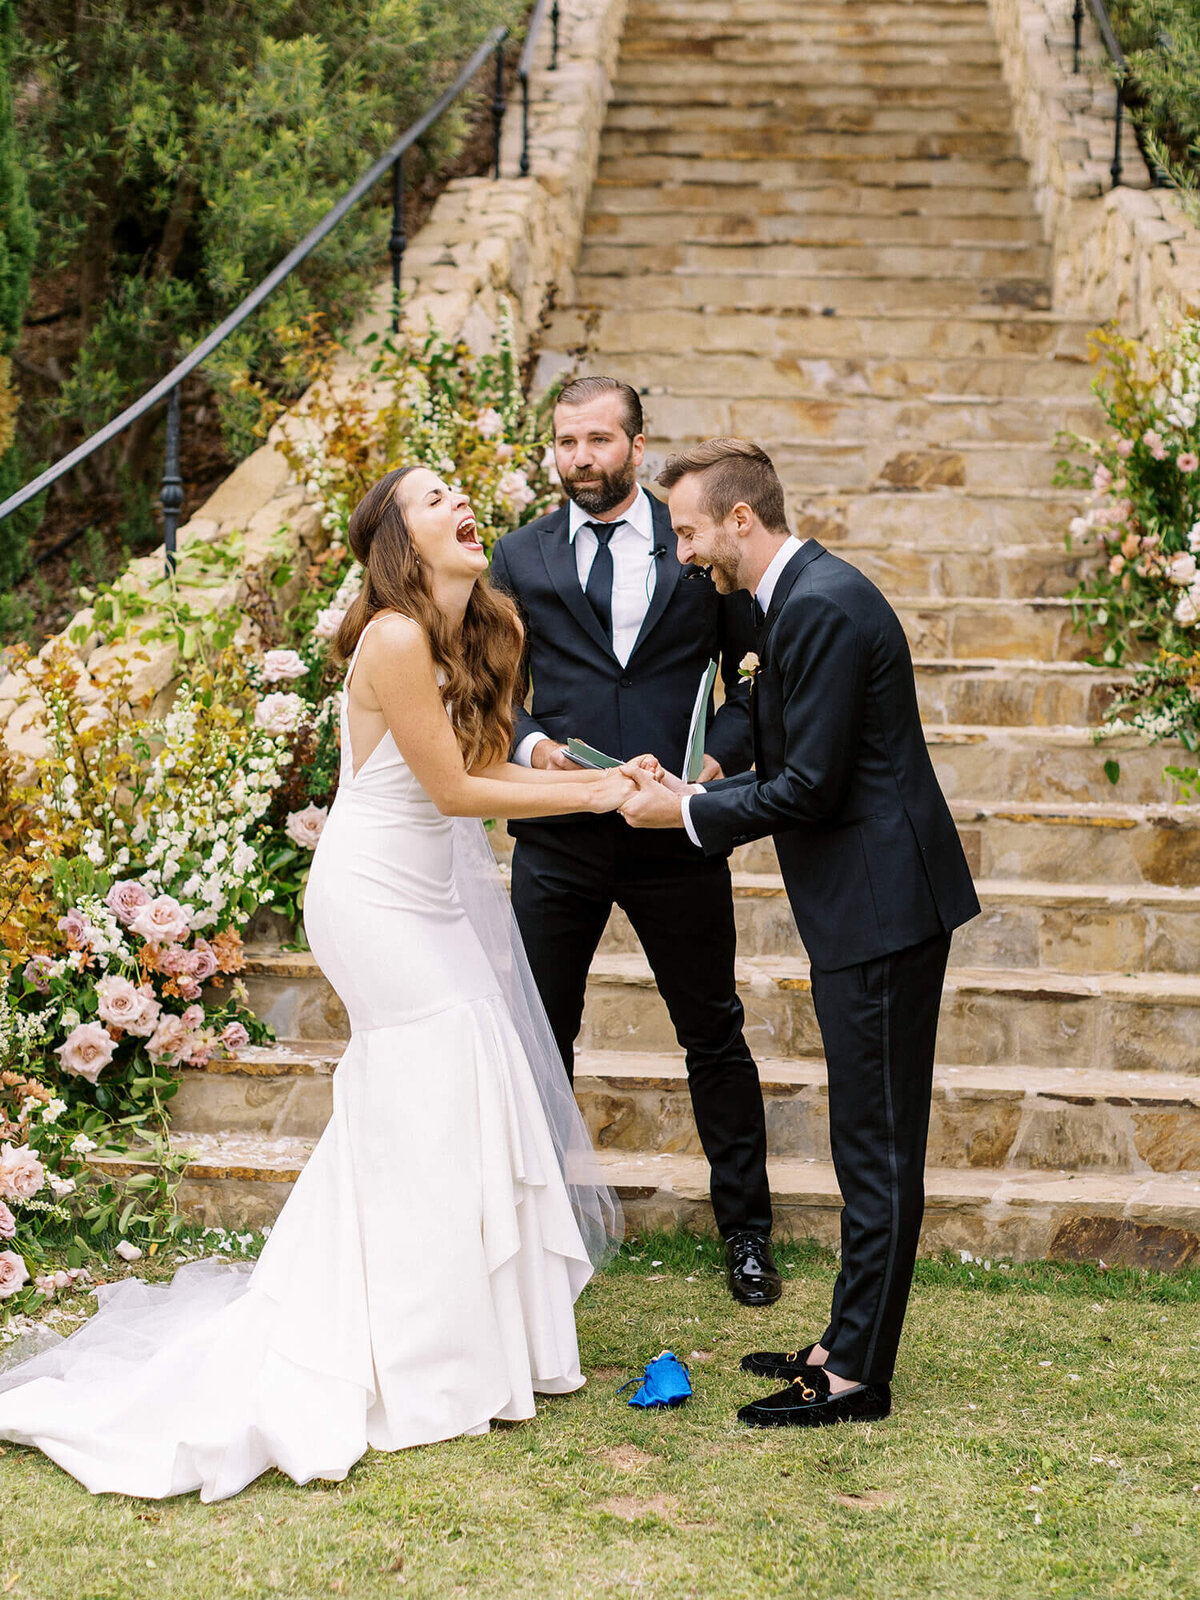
x=652, y=804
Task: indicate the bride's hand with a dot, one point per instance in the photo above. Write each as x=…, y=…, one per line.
x=610, y=792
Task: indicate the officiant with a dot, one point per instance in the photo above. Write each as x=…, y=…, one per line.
x=619, y=636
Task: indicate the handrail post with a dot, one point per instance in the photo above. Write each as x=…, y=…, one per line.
x=498, y=106
x=172, y=484
x=397, y=242
x=524, y=124
x=1115, y=169
x=554, y=37
x=1077, y=18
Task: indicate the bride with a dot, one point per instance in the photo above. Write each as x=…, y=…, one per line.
x=420, y=1280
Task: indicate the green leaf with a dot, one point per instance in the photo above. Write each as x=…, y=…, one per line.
x=1112, y=770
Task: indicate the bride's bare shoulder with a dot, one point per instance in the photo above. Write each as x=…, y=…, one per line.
x=391, y=634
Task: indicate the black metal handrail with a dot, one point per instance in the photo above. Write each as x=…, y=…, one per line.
x=1120, y=65
x=168, y=387
x=525, y=67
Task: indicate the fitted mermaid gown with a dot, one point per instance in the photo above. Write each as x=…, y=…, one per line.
x=421, y=1279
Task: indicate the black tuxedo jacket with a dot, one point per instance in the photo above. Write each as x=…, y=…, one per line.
x=869, y=852
x=581, y=690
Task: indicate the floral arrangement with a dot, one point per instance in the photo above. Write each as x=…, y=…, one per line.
x=1143, y=520
x=139, y=848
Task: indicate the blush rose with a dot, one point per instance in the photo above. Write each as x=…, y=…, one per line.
x=86, y=1051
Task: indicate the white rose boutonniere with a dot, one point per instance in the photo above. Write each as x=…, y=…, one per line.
x=748, y=666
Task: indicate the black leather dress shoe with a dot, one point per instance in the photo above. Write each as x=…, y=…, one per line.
x=750, y=1269
x=785, y=1364
x=807, y=1403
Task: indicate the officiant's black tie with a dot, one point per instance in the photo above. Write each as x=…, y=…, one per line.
x=599, y=586
x=758, y=613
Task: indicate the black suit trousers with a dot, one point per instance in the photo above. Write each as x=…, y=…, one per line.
x=565, y=882
x=879, y=1024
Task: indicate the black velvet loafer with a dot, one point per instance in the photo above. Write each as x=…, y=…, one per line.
x=750, y=1269
x=807, y=1403
x=785, y=1364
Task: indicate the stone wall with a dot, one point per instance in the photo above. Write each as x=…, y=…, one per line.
x=485, y=241
x=1127, y=253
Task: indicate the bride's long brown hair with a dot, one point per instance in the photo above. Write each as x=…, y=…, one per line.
x=480, y=664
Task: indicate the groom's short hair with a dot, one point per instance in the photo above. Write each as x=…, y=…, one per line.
x=732, y=472
x=580, y=390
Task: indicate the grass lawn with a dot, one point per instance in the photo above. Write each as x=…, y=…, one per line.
x=1045, y=1441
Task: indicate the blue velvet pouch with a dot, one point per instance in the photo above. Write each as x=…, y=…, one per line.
x=665, y=1382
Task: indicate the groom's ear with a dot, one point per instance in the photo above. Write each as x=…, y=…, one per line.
x=742, y=519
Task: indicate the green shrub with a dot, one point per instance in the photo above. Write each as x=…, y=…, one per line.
x=1162, y=41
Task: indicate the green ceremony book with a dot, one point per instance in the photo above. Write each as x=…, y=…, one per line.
x=587, y=757
x=698, y=728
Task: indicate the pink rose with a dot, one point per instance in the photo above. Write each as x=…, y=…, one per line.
x=1102, y=477
x=126, y=899
x=1117, y=565
x=305, y=827
x=37, y=972
x=280, y=666
x=1125, y=448
x=279, y=713
x=21, y=1173
x=119, y=1001
x=1188, y=461
x=328, y=622
x=147, y=1018
x=8, y=1223
x=234, y=1037
x=193, y=1017
x=87, y=1051
x=204, y=961
x=168, y=1041
x=176, y=958
x=514, y=489
x=76, y=927
x=188, y=988
x=200, y=1053
x=161, y=921
x=1181, y=568
x=13, y=1273
x=1154, y=443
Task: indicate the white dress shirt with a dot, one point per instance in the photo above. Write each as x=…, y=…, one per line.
x=635, y=572
x=764, y=594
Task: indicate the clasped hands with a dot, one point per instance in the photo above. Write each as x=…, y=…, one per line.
x=654, y=801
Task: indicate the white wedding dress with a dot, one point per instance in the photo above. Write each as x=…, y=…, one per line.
x=420, y=1280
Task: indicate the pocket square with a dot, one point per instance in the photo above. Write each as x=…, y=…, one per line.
x=665, y=1382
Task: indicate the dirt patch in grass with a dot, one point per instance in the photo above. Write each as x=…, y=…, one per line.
x=636, y=1508
x=869, y=1500
x=628, y=1458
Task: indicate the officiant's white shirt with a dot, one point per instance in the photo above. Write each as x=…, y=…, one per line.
x=764, y=594
x=635, y=572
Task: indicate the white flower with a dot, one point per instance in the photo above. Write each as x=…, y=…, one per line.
x=81, y=1145
x=305, y=827
x=1181, y=568
x=280, y=666
x=279, y=713
x=328, y=622
x=489, y=423
x=1080, y=527
x=62, y=1186
x=1187, y=612
x=1194, y=538
x=53, y=1110
x=514, y=489
x=127, y=1251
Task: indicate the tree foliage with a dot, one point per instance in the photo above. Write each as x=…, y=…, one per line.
x=1162, y=41
x=16, y=261
x=177, y=151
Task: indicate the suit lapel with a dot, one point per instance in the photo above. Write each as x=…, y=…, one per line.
x=667, y=573
x=559, y=555
x=784, y=586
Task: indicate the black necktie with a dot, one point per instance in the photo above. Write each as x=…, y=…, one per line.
x=599, y=586
x=760, y=615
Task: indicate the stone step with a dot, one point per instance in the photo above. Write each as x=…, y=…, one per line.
x=736, y=258
x=810, y=48
x=823, y=295
x=749, y=142
x=915, y=72
x=945, y=421
x=636, y=225
x=683, y=103
x=946, y=518
x=1025, y=924
x=976, y=333
x=1021, y=765
x=1001, y=1118
x=990, y=1015
x=716, y=15
x=804, y=172
x=620, y=192
x=1017, y=694
x=1137, y=1219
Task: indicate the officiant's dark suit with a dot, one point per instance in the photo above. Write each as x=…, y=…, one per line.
x=568, y=871
x=877, y=880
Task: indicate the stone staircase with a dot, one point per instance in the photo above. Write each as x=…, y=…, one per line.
x=813, y=226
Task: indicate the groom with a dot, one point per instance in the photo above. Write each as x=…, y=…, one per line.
x=876, y=878
x=618, y=637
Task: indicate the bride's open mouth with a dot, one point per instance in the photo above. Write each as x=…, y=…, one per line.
x=466, y=534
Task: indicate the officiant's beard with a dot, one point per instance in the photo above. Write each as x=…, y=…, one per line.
x=603, y=491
